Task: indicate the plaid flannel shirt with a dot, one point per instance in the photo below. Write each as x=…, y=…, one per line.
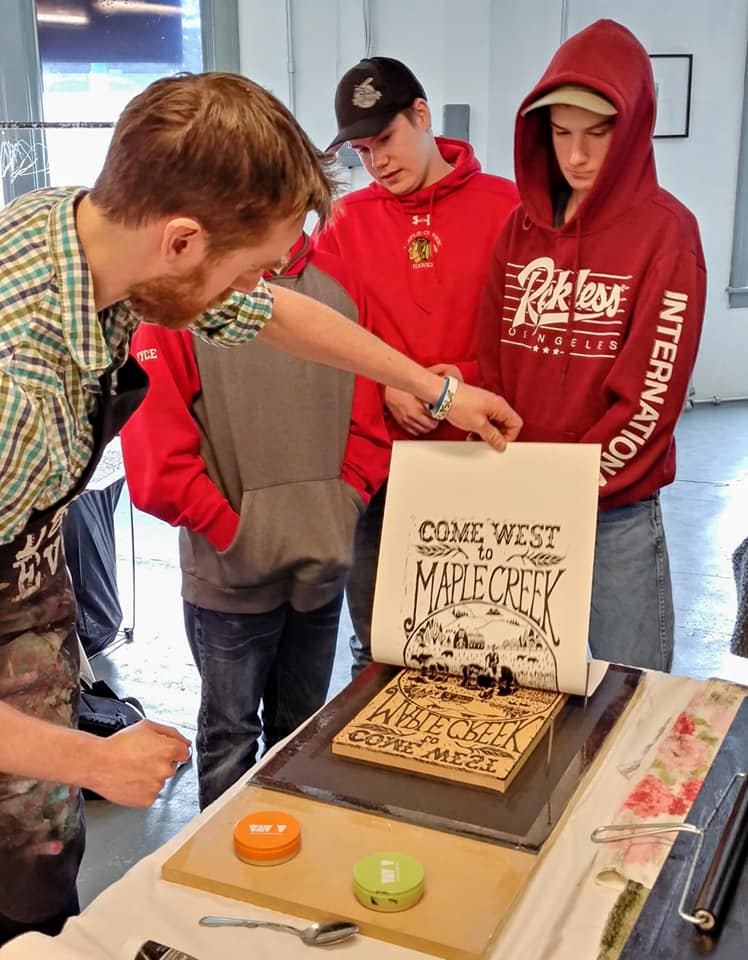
x=54, y=347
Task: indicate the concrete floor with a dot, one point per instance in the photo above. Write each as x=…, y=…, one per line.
x=706, y=516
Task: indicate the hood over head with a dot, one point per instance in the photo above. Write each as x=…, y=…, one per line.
x=607, y=59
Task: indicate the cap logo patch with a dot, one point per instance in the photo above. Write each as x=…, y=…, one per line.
x=365, y=94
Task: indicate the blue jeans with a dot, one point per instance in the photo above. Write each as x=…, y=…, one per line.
x=282, y=659
x=632, y=620
x=360, y=588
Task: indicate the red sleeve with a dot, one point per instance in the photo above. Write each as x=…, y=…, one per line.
x=648, y=382
x=367, y=455
x=161, y=443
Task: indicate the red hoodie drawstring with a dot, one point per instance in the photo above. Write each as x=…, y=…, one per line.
x=573, y=303
x=437, y=271
x=411, y=213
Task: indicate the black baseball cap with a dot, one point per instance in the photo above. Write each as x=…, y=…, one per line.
x=370, y=95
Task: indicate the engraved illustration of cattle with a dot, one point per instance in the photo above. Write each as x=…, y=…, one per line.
x=486, y=646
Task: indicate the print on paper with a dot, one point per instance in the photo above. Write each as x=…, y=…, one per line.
x=483, y=601
x=485, y=566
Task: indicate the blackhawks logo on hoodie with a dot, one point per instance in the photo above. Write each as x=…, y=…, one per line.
x=421, y=248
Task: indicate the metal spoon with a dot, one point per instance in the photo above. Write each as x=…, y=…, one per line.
x=315, y=935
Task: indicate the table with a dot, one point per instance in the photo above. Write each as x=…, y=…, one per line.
x=560, y=916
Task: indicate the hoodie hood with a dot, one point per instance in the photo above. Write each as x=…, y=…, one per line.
x=457, y=153
x=607, y=58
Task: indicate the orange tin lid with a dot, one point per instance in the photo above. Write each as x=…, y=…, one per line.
x=267, y=837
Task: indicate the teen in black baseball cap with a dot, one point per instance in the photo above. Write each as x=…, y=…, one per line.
x=370, y=96
x=416, y=242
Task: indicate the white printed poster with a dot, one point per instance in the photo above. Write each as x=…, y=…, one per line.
x=110, y=468
x=485, y=565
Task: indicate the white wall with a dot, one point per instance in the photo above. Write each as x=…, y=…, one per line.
x=489, y=53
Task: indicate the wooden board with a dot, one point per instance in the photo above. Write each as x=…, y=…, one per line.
x=522, y=816
x=450, y=728
x=470, y=885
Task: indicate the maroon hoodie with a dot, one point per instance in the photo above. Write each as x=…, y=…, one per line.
x=628, y=267
x=421, y=260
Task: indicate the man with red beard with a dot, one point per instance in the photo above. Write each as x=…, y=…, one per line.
x=205, y=187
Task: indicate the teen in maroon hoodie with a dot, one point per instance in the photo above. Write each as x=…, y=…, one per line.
x=418, y=240
x=592, y=313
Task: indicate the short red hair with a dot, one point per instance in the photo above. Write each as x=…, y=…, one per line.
x=216, y=147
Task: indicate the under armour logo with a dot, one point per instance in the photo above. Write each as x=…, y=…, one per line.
x=365, y=95
x=426, y=218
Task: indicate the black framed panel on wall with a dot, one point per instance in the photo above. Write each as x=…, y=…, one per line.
x=673, y=73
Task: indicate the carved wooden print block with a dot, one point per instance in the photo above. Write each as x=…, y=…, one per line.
x=478, y=728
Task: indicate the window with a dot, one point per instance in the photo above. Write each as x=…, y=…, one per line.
x=96, y=55
x=70, y=66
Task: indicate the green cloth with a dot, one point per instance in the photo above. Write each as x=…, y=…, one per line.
x=621, y=920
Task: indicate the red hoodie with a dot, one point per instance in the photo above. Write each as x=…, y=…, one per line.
x=421, y=262
x=628, y=263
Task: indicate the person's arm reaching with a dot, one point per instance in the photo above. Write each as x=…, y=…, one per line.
x=129, y=767
x=311, y=330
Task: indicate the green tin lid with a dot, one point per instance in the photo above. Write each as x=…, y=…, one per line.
x=388, y=881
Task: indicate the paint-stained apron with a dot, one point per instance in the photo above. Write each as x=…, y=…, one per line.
x=42, y=827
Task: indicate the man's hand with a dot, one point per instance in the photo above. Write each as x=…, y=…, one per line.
x=478, y=411
x=135, y=763
x=409, y=412
x=447, y=370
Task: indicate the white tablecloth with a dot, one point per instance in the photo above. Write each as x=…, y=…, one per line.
x=560, y=916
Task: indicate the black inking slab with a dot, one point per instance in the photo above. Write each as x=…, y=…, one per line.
x=523, y=816
x=659, y=931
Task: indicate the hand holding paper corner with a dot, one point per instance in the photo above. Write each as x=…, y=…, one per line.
x=490, y=416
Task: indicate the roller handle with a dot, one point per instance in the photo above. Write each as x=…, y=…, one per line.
x=713, y=900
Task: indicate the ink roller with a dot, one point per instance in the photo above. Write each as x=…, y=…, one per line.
x=713, y=900
x=725, y=868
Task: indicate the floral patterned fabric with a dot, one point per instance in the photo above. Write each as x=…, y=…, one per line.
x=675, y=769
